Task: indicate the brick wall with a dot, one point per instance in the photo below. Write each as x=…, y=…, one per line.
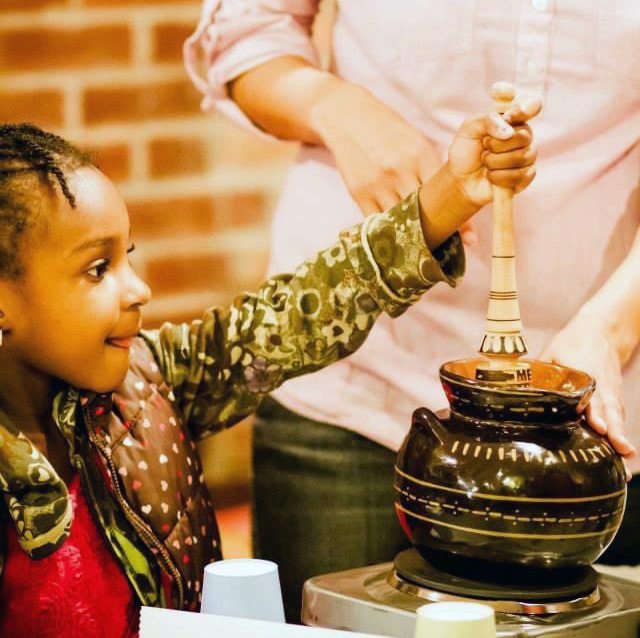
x=108, y=75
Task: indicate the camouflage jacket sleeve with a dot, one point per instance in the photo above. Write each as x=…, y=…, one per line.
x=221, y=366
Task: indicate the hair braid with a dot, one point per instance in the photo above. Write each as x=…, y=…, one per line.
x=24, y=149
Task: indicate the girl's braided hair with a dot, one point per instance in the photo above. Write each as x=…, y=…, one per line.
x=25, y=151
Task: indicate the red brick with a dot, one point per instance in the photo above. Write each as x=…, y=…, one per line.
x=253, y=268
x=168, y=40
x=237, y=147
x=173, y=217
x=61, y=48
x=44, y=108
x=193, y=215
x=110, y=3
x=173, y=156
x=240, y=209
x=182, y=273
x=113, y=160
x=30, y=4
x=172, y=99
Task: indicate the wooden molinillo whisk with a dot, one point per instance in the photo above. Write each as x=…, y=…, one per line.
x=503, y=343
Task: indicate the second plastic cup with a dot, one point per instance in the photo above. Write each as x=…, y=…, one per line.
x=455, y=620
x=243, y=587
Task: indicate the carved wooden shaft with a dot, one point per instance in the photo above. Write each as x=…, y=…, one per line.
x=503, y=336
x=503, y=342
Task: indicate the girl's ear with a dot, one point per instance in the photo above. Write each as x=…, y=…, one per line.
x=8, y=305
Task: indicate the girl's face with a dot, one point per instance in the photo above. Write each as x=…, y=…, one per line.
x=76, y=310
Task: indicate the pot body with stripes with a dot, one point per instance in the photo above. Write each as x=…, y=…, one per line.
x=512, y=475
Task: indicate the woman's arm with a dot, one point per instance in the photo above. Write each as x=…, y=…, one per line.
x=380, y=156
x=259, y=68
x=601, y=339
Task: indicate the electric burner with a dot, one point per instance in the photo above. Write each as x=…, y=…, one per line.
x=508, y=589
x=382, y=599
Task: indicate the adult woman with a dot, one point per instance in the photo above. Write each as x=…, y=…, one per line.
x=374, y=128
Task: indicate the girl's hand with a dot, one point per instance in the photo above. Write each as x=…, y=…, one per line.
x=381, y=157
x=587, y=345
x=494, y=149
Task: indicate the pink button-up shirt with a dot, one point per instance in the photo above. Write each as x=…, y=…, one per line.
x=433, y=61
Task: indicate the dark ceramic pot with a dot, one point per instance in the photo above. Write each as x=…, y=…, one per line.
x=510, y=475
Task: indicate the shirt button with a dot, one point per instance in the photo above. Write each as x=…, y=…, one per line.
x=540, y=5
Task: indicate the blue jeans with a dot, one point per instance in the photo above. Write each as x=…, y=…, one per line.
x=625, y=549
x=323, y=499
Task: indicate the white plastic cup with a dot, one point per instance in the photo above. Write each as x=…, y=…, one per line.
x=243, y=587
x=455, y=620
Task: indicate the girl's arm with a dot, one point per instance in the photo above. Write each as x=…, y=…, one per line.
x=223, y=365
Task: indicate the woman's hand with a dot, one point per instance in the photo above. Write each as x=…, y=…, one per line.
x=380, y=156
x=494, y=149
x=586, y=344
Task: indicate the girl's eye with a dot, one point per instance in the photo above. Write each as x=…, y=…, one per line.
x=98, y=270
x=131, y=249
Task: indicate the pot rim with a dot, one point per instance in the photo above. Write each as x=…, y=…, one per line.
x=578, y=393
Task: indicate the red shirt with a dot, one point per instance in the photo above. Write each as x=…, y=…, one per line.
x=78, y=591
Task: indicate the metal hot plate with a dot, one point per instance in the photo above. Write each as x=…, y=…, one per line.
x=507, y=589
x=363, y=600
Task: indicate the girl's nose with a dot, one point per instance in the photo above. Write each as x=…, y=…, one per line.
x=138, y=292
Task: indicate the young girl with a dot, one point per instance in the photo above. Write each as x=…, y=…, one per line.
x=105, y=507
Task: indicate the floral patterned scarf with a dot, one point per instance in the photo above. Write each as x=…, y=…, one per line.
x=36, y=497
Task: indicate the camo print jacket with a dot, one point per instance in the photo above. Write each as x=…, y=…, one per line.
x=135, y=449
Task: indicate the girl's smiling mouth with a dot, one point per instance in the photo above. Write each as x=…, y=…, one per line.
x=121, y=342
x=125, y=339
